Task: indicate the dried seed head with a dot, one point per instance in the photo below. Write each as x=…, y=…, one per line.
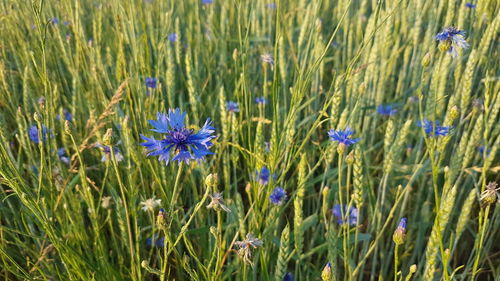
x=490, y=195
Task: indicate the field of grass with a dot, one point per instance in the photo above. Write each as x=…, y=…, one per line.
x=347, y=141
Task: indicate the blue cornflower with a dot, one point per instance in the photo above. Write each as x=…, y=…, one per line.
x=267, y=58
x=288, y=277
x=278, y=196
x=151, y=82
x=172, y=37
x=66, y=23
x=54, y=20
x=470, y=5
x=67, y=116
x=351, y=215
x=386, y=110
x=206, y=2
x=62, y=155
x=260, y=100
x=159, y=242
x=343, y=137
x=271, y=5
x=433, y=129
x=263, y=176
x=183, y=143
x=33, y=134
x=482, y=150
x=232, y=106
x=107, y=153
x=35, y=170
x=451, y=39
x=267, y=146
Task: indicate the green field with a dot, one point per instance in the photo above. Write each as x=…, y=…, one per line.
x=249, y=140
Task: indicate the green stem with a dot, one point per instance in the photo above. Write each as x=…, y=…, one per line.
x=396, y=262
x=479, y=247
x=127, y=215
x=176, y=186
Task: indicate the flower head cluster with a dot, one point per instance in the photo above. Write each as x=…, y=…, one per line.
x=400, y=233
x=172, y=37
x=343, y=215
x=246, y=246
x=267, y=146
x=271, y=5
x=178, y=140
x=151, y=82
x=61, y=152
x=54, y=20
x=434, y=129
x=232, y=106
x=107, y=153
x=261, y=100
x=288, y=277
x=470, y=5
x=33, y=134
x=482, y=150
x=278, y=196
x=343, y=138
x=67, y=116
x=150, y=204
x=217, y=202
x=159, y=242
x=451, y=39
x=263, y=175
x=386, y=110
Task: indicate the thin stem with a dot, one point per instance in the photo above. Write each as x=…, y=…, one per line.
x=396, y=262
x=479, y=247
x=176, y=186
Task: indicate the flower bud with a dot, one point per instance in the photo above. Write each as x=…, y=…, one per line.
x=350, y=158
x=325, y=191
x=326, y=274
x=400, y=233
x=426, y=60
x=454, y=112
x=107, y=139
x=160, y=218
x=235, y=54
x=211, y=180
x=213, y=231
x=36, y=116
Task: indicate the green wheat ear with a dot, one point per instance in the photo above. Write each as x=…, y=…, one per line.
x=438, y=232
x=284, y=252
x=298, y=207
x=464, y=214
